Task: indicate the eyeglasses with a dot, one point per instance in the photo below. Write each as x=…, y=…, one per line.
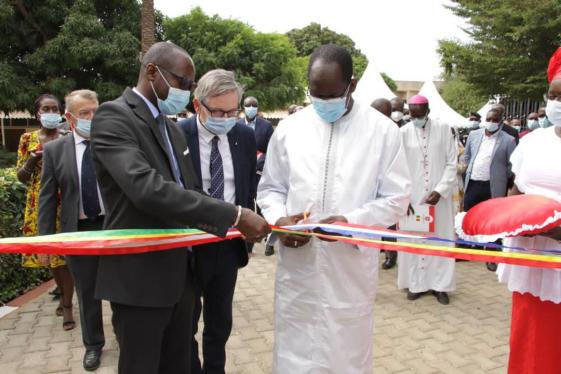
x=309, y=94
x=218, y=113
x=184, y=82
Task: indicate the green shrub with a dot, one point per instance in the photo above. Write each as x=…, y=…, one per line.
x=14, y=279
x=7, y=159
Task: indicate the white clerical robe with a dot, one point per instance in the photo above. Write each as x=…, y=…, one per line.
x=431, y=155
x=325, y=291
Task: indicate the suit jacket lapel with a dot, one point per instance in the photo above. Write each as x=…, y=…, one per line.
x=176, y=146
x=142, y=111
x=193, y=142
x=236, y=162
x=72, y=168
x=497, y=145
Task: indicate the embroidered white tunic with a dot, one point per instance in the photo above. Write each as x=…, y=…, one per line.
x=431, y=155
x=325, y=291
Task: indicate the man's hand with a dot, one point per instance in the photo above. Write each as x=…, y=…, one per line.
x=433, y=198
x=253, y=227
x=292, y=240
x=329, y=220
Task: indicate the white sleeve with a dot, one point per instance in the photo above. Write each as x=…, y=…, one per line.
x=394, y=187
x=273, y=187
x=448, y=182
x=516, y=160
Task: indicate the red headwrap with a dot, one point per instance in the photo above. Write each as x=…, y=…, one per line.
x=554, y=68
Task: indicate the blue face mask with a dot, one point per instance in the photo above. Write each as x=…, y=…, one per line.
x=50, y=120
x=533, y=124
x=330, y=110
x=250, y=111
x=544, y=122
x=83, y=127
x=219, y=126
x=491, y=126
x=176, y=101
x=420, y=122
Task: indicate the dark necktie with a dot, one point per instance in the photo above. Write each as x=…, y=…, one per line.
x=172, y=160
x=216, y=189
x=90, y=198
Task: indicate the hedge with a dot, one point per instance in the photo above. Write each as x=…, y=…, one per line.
x=14, y=279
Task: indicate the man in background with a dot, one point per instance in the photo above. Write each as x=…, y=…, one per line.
x=223, y=155
x=68, y=169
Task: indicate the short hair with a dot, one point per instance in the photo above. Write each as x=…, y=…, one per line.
x=37, y=103
x=82, y=94
x=333, y=53
x=383, y=106
x=162, y=53
x=475, y=114
x=216, y=83
x=495, y=110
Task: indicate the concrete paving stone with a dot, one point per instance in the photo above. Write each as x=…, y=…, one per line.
x=37, y=344
x=468, y=336
x=33, y=359
x=16, y=340
x=8, y=323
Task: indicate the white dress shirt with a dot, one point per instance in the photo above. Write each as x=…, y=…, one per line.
x=205, y=147
x=481, y=170
x=80, y=149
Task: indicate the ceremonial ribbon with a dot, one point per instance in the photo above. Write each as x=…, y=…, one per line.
x=133, y=241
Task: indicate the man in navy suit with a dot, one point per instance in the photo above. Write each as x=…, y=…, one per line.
x=223, y=154
x=263, y=130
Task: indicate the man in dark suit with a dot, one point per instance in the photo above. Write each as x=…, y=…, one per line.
x=263, y=130
x=223, y=154
x=147, y=181
x=68, y=168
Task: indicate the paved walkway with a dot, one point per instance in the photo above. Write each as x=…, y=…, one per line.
x=468, y=336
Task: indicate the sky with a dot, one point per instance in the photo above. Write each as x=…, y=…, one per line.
x=399, y=37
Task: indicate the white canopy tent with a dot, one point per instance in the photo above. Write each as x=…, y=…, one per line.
x=438, y=107
x=372, y=86
x=484, y=109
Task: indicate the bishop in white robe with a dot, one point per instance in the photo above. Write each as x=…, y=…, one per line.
x=431, y=154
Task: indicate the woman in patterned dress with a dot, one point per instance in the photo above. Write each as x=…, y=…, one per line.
x=47, y=110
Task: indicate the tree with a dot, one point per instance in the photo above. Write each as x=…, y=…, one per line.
x=462, y=96
x=307, y=39
x=148, y=26
x=266, y=64
x=511, y=43
x=390, y=82
x=57, y=46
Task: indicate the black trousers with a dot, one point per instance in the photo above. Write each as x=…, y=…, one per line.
x=476, y=193
x=84, y=272
x=156, y=340
x=216, y=272
x=391, y=255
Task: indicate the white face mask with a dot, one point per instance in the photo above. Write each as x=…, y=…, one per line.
x=397, y=116
x=553, y=112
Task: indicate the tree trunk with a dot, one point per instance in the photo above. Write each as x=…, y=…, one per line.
x=147, y=25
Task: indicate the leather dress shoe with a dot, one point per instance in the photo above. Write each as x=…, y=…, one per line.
x=442, y=297
x=414, y=295
x=92, y=359
x=491, y=266
x=388, y=263
x=269, y=250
